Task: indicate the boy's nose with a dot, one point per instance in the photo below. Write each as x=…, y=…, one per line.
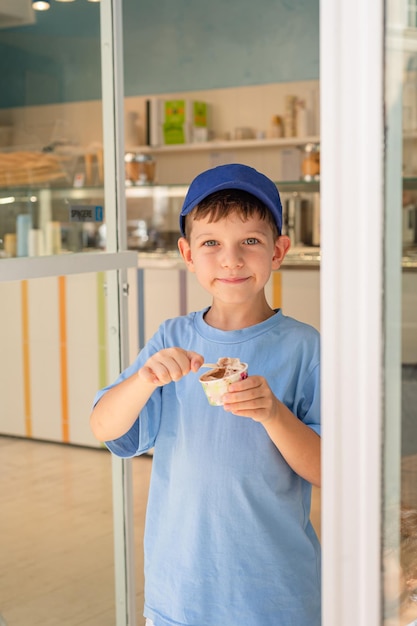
x=232, y=257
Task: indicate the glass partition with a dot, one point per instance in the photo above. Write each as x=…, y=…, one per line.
x=65, y=316
x=57, y=564
x=399, y=550
x=51, y=136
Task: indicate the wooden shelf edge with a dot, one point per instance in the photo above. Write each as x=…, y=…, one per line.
x=282, y=142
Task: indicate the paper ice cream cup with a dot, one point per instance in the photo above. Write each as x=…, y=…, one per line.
x=215, y=388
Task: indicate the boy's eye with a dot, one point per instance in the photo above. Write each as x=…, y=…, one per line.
x=210, y=242
x=251, y=241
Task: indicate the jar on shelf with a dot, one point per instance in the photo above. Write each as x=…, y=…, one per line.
x=139, y=168
x=310, y=165
x=277, y=127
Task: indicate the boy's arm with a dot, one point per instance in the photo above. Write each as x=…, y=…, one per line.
x=117, y=410
x=298, y=443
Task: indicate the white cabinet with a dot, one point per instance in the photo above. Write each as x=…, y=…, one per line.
x=301, y=295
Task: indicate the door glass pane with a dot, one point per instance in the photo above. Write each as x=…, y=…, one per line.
x=250, y=109
x=51, y=153
x=400, y=456
x=56, y=525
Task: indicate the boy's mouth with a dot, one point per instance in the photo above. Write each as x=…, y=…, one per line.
x=233, y=279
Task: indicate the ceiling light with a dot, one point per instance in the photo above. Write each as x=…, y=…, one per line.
x=41, y=5
x=64, y=0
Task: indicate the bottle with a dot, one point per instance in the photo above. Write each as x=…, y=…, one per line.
x=277, y=129
x=290, y=116
x=139, y=168
x=302, y=120
x=310, y=166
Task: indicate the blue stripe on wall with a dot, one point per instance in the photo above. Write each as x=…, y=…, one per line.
x=141, y=307
x=183, y=291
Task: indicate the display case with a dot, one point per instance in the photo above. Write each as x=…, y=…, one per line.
x=52, y=220
x=48, y=220
x=152, y=215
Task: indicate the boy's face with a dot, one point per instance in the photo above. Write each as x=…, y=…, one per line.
x=232, y=258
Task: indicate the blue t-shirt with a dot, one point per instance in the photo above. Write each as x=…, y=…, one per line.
x=228, y=539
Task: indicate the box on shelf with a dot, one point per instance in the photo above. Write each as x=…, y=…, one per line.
x=176, y=121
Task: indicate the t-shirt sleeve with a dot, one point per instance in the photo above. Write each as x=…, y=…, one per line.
x=142, y=434
x=309, y=407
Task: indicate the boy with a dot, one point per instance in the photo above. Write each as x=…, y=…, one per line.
x=228, y=541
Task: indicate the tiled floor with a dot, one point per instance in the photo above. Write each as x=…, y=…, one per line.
x=56, y=543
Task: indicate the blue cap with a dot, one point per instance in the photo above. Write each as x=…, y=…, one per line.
x=232, y=176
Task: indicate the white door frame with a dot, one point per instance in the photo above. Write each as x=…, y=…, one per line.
x=113, y=136
x=352, y=196
x=352, y=203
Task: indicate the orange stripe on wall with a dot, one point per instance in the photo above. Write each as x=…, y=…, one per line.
x=62, y=284
x=276, y=290
x=25, y=355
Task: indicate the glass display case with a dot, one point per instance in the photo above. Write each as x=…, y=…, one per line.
x=44, y=221
x=37, y=221
x=53, y=220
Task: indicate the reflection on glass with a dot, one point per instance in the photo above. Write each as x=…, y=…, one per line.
x=399, y=554
x=42, y=221
x=57, y=560
x=51, y=153
x=400, y=573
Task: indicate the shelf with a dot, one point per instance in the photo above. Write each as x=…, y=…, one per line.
x=289, y=186
x=10, y=195
x=56, y=191
x=281, y=142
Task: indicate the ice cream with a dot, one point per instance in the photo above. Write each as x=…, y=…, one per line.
x=216, y=381
x=226, y=367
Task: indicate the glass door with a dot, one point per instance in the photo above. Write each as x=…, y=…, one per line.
x=66, y=290
x=369, y=312
x=399, y=551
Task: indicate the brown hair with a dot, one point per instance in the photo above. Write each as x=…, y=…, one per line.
x=226, y=202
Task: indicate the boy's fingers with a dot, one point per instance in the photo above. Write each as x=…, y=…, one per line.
x=148, y=375
x=196, y=360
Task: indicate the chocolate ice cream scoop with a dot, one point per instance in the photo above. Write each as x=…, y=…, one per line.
x=216, y=382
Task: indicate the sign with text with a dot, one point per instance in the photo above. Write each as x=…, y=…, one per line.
x=85, y=213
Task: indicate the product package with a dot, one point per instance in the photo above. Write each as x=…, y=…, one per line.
x=177, y=121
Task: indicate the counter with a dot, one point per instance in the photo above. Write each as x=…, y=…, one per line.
x=299, y=257
x=295, y=288
x=45, y=329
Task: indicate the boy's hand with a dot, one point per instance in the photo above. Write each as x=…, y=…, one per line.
x=253, y=398
x=170, y=365
x=297, y=442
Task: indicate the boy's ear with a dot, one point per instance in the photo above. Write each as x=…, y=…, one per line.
x=282, y=245
x=185, y=251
